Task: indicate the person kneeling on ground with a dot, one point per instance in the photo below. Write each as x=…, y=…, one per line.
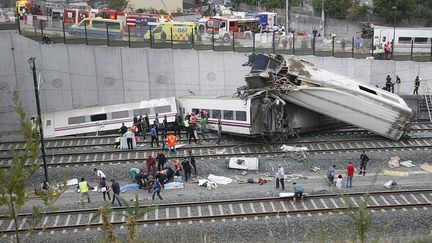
x=141, y=179
x=298, y=192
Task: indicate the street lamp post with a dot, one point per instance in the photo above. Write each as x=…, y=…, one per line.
x=39, y=120
x=394, y=29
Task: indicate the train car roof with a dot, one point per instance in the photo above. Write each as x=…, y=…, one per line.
x=206, y=97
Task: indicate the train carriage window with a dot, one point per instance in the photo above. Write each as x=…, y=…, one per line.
x=420, y=40
x=76, y=120
x=162, y=109
x=48, y=123
x=141, y=112
x=216, y=114
x=119, y=114
x=98, y=117
x=195, y=111
x=240, y=115
x=404, y=40
x=228, y=115
x=367, y=90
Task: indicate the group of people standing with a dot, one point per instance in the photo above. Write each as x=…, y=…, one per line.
x=84, y=188
x=390, y=85
x=350, y=169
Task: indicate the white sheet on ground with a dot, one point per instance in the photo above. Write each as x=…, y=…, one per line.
x=407, y=163
x=286, y=194
x=288, y=148
x=219, y=179
x=174, y=185
x=243, y=163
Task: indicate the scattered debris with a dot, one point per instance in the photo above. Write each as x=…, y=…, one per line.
x=395, y=173
x=72, y=182
x=294, y=177
x=288, y=148
x=243, y=163
x=426, y=167
x=390, y=184
x=173, y=185
x=243, y=173
x=206, y=183
x=394, y=162
x=219, y=179
x=407, y=163
x=315, y=169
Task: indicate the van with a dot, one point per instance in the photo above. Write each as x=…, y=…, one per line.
x=181, y=31
x=97, y=28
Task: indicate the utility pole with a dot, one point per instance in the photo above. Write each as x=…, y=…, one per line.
x=286, y=16
x=322, y=18
x=39, y=120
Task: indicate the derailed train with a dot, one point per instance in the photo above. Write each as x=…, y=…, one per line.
x=327, y=93
x=280, y=98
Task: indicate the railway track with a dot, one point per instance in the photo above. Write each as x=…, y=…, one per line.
x=101, y=156
x=80, y=142
x=224, y=210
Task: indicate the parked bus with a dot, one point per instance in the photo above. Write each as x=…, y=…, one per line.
x=421, y=38
x=223, y=28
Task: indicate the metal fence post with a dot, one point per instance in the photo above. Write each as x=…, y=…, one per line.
x=293, y=46
x=192, y=39
x=333, y=45
x=253, y=42
x=233, y=45
x=274, y=43
x=107, y=34
x=313, y=44
x=213, y=40
x=64, y=33
x=392, y=50
x=430, y=59
x=412, y=47
x=151, y=37
x=40, y=23
x=85, y=32
x=129, y=41
x=352, y=48
x=172, y=39
x=372, y=49
x=18, y=19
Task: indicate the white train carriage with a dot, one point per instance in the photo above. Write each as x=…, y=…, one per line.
x=421, y=38
x=104, y=118
x=235, y=114
x=348, y=100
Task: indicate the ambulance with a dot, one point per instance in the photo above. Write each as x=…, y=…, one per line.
x=181, y=31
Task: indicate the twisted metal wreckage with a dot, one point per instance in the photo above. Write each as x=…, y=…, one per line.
x=280, y=85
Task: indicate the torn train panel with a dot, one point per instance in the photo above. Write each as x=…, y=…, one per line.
x=331, y=94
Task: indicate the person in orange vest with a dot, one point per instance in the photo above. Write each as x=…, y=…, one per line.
x=171, y=141
x=194, y=118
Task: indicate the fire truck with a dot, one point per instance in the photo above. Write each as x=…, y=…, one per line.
x=74, y=16
x=223, y=28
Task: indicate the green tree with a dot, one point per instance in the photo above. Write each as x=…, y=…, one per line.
x=119, y=5
x=405, y=9
x=13, y=181
x=333, y=8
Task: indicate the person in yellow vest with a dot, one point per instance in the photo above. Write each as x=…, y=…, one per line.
x=186, y=126
x=84, y=190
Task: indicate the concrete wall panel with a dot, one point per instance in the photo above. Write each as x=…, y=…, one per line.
x=161, y=73
x=109, y=74
x=186, y=72
x=135, y=74
x=8, y=81
x=82, y=68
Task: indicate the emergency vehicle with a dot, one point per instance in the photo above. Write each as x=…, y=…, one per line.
x=222, y=28
x=96, y=27
x=74, y=16
x=140, y=24
x=181, y=31
x=267, y=20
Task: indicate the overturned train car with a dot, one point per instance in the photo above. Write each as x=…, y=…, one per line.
x=342, y=98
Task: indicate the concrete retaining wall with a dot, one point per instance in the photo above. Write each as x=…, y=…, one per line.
x=78, y=76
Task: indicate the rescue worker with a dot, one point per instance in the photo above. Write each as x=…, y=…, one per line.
x=115, y=188
x=171, y=141
x=363, y=162
x=178, y=125
x=187, y=168
x=83, y=186
x=186, y=126
x=104, y=189
x=129, y=138
x=192, y=161
x=416, y=85
x=219, y=132
x=151, y=165
x=397, y=83
x=177, y=168
x=280, y=177
x=163, y=36
x=203, y=125
x=147, y=121
x=388, y=83
x=154, y=136
x=298, y=192
x=144, y=128
x=123, y=129
x=330, y=173
x=165, y=124
x=157, y=189
x=161, y=158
